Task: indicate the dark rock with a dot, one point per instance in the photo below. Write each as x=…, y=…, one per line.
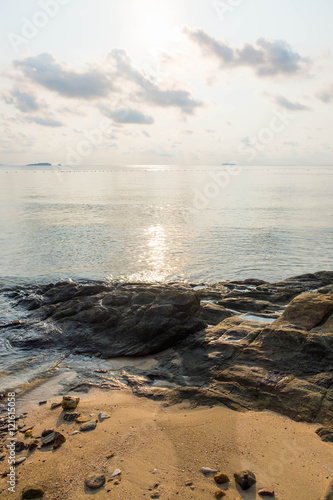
x=265, y=492
x=59, y=440
x=94, y=482
x=325, y=434
x=219, y=494
x=31, y=493
x=245, y=479
x=69, y=403
x=246, y=304
x=48, y=437
x=214, y=314
x=71, y=417
x=19, y=446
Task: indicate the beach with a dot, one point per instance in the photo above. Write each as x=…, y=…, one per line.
x=160, y=448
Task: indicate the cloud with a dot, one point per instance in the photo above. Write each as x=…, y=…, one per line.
x=326, y=94
x=23, y=101
x=46, y=122
x=265, y=57
x=127, y=115
x=45, y=71
x=150, y=91
x=283, y=102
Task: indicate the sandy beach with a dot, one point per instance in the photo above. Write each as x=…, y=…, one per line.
x=161, y=449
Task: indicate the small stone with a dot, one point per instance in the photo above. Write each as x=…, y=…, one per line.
x=116, y=473
x=79, y=420
x=265, y=492
x=221, y=478
x=42, y=402
x=31, y=493
x=75, y=432
x=94, y=482
x=156, y=494
x=69, y=403
x=110, y=455
x=2, y=456
x=88, y=426
x=33, y=445
x=207, y=471
x=48, y=436
x=59, y=440
x=245, y=479
x=19, y=446
x=28, y=433
x=20, y=461
x=70, y=417
x=55, y=405
x=103, y=416
x=188, y=483
x=219, y=494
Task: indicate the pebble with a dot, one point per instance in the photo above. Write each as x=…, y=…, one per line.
x=245, y=479
x=156, y=494
x=219, y=494
x=48, y=437
x=19, y=446
x=42, y=402
x=19, y=461
x=88, y=426
x=30, y=493
x=70, y=417
x=28, y=433
x=103, y=416
x=207, y=470
x=33, y=445
x=55, y=405
x=75, y=432
x=2, y=456
x=116, y=473
x=111, y=455
x=221, y=478
x=188, y=483
x=94, y=482
x=59, y=440
x=265, y=492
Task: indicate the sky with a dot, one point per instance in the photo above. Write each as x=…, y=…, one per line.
x=186, y=82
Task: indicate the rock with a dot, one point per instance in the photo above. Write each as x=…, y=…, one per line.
x=308, y=310
x=94, y=482
x=265, y=492
x=71, y=417
x=48, y=436
x=28, y=433
x=246, y=304
x=59, y=440
x=69, y=403
x=208, y=471
x=115, y=473
x=214, y=314
x=88, y=426
x=245, y=479
x=31, y=493
x=19, y=446
x=221, y=478
x=42, y=402
x=55, y=405
x=75, y=432
x=20, y=461
x=103, y=416
x=219, y=494
x=33, y=445
x=325, y=433
x=188, y=483
x=2, y=456
x=328, y=495
x=156, y=494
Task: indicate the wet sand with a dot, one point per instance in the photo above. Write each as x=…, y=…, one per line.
x=159, y=448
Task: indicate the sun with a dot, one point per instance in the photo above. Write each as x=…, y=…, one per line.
x=156, y=30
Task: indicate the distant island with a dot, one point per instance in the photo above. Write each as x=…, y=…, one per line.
x=39, y=165
x=229, y=164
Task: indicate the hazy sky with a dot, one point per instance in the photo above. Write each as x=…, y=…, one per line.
x=166, y=82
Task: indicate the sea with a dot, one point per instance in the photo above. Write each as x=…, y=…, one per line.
x=154, y=223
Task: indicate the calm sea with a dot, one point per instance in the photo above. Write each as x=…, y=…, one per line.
x=150, y=223
x=164, y=223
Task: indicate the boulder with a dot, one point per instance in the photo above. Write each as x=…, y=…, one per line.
x=308, y=310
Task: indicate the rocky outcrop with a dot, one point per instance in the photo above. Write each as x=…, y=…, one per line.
x=247, y=344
